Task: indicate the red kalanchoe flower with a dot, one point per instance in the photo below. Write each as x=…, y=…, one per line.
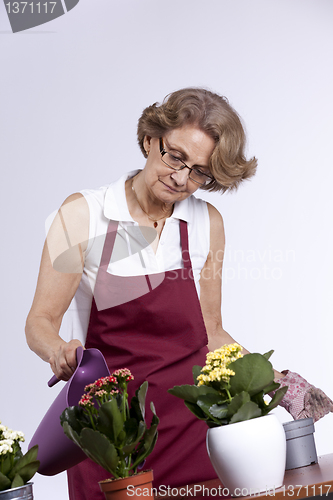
x=99, y=382
x=88, y=387
x=123, y=373
x=85, y=400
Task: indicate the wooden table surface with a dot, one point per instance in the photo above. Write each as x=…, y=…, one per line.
x=310, y=481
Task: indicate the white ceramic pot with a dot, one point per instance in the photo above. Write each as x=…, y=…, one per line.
x=250, y=456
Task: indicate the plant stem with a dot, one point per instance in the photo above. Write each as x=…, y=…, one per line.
x=229, y=395
x=92, y=421
x=114, y=474
x=129, y=464
x=125, y=396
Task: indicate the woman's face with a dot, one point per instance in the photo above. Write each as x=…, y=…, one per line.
x=192, y=146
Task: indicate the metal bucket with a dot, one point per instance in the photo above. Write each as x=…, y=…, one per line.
x=20, y=493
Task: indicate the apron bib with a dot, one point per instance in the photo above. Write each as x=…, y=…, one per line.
x=159, y=336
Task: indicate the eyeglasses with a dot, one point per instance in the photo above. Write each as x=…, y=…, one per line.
x=196, y=175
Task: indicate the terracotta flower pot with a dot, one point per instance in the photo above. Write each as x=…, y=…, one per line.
x=137, y=486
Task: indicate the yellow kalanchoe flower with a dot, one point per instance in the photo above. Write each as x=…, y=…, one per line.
x=216, y=368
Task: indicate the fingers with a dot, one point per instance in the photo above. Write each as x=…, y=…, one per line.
x=63, y=363
x=71, y=353
x=317, y=404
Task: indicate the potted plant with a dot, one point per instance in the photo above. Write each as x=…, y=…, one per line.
x=247, y=447
x=16, y=469
x=114, y=434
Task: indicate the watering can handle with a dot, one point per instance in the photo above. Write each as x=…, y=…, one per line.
x=54, y=380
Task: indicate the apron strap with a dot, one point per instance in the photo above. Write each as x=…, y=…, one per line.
x=184, y=244
x=108, y=244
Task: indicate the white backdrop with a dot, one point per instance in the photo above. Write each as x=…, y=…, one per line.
x=71, y=93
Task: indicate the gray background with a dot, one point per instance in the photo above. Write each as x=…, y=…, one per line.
x=71, y=93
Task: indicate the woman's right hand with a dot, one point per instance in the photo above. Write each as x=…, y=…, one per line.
x=63, y=360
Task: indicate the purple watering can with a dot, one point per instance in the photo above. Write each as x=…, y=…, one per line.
x=56, y=451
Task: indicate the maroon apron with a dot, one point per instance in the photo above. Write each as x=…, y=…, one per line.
x=159, y=336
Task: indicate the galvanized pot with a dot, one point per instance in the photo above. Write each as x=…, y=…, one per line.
x=20, y=493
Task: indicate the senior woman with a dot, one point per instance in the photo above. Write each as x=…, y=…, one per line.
x=151, y=304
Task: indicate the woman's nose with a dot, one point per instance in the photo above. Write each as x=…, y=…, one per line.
x=181, y=176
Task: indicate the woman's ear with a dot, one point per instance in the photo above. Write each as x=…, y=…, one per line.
x=146, y=144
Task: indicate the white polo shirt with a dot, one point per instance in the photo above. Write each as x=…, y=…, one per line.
x=132, y=253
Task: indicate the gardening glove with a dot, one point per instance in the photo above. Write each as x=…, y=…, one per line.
x=303, y=400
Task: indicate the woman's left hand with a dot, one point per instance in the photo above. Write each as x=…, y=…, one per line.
x=303, y=400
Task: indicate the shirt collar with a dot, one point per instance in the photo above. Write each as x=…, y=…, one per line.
x=115, y=204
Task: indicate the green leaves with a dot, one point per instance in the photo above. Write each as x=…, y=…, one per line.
x=114, y=437
x=141, y=395
x=191, y=393
x=17, y=481
x=253, y=373
x=222, y=402
x=277, y=398
x=26, y=466
x=148, y=440
x=75, y=417
x=110, y=421
x=97, y=447
x=194, y=408
x=268, y=354
x=219, y=411
x=4, y=482
x=138, y=402
x=196, y=370
x=198, y=399
x=6, y=465
x=246, y=412
x=23, y=470
x=205, y=403
x=237, y=402
x=71, y=433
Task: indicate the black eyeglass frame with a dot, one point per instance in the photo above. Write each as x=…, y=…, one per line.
x=163, y=152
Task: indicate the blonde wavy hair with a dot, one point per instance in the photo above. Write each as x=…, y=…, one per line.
x=213, y=114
